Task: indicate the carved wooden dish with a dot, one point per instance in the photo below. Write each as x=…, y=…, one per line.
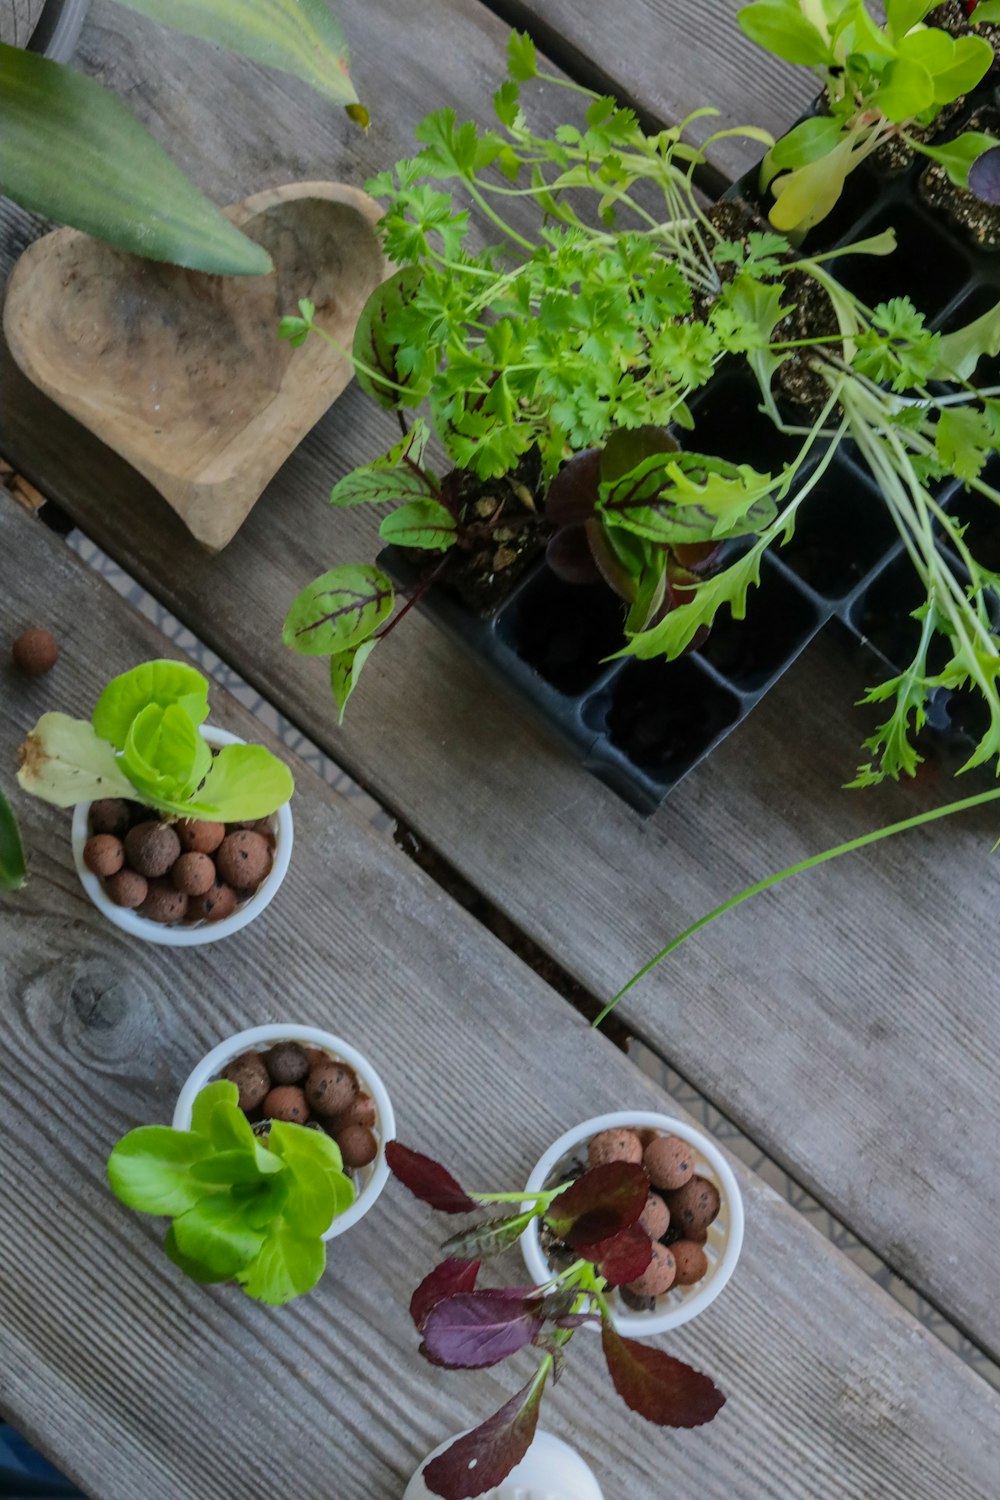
x=183, y=374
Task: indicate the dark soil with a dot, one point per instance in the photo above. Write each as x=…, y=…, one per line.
x=978, y=220
x=504, y=530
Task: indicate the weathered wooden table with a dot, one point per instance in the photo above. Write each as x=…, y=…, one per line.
x=849, y=1024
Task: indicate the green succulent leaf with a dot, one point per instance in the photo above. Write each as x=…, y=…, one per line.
x=345, y=670
x=71, y=151
x=150, y=1169
x=287, y=1265
x=338, y=610
x=296, y=36
x=64, y=762
x=162, y=684
x=13, y=871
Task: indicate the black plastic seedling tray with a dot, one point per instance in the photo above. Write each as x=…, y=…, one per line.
x=641, y=726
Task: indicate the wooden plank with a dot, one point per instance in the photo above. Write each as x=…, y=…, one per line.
x=841, y=1023
x=668, y=58
x=141, y=1384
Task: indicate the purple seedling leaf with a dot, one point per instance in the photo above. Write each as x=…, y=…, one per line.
x=600, y=1204
x=658, y=1387
x=984, y=176
x=572, y=495
x=471, y=1330
x=445, y=1280
x=623, y=1257
x=428, y=1180
x=481, y=1460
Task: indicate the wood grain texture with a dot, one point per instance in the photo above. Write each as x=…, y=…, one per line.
x=18, y=19
x=142, y=1384
x=849, y=1023
x=183, y=374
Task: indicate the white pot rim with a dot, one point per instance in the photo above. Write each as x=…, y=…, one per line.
x=180, y=935
x=257, y=1036
x=687, y=1302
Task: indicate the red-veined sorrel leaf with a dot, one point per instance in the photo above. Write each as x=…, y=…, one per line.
x=428, y=1180
x=445, y=1280
x=482, y=1459
x=473, y=1329
x=623, y=1257
x=601, y=1203
x=572, y=495
x=490, y=1237
x=658, y=1387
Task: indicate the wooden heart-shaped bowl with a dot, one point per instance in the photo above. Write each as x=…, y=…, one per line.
x=183, y=374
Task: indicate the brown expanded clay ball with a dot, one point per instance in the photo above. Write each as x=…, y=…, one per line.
x=152, y=848
x=243, y=859
x=691, y=1261
x=658, y=1277
x=219, y=901
x=286, y=1062
x=164, y=902
x=330, y=1088
x=111, y=815
x=103, y=854
x=286, y=1103
x=251, y=1078
x=360, y=1111
x=358, y=1146
x=35, y=652
x=694, y=1206
x=198, y=836
x=127, y=889
x=669, y=1162
x=655, y=1217
x=194, y=874
x=613, y=1145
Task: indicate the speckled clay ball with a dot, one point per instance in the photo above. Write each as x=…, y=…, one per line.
x=287, y=1062
x=669, y=1162
x=694, y=1206
x=103, y=854
x=251, y=1078
x=614, y=1145
x=691, y=1261
x=127, y=889
x=655, y=1217
x=35, y=652
x=200, y=837
x=151, y=848
x=658, y=1277
x=243, y=859
x=286, y=1103
x=360, y=1111
x=330, y=1088
x=217, y=903
x=194, y=874
x=164, y=902
x=111, y=815
x=358, y=1146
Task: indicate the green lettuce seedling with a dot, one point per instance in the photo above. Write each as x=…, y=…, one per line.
x=144, y=741
x=243, y=1209
x=878, y=85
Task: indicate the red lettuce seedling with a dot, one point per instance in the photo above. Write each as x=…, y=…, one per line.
x=464, y=1327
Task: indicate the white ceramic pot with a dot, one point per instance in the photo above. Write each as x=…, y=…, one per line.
x=725, y=1235
x=370, y=1180
x=550, y=1470
x=184, y=934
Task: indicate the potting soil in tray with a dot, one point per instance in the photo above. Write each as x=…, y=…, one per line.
x=640, y=726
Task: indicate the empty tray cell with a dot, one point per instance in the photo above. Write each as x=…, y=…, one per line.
x=563, y=630
x=842, y=531
x=780, y=619
x=926, y=265
x=982, y=521
x=664, y=715
x=987, y=371
x=729, y=424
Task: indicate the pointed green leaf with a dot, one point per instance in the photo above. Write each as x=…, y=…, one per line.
x=422, y=523
x=296, y=36
x=340, y=609
x=345, y=669
x=12, y=866
x=395, y=477
x=69, y=149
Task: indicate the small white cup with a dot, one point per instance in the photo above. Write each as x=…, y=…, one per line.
x=550, y=1470
x=370, y=1180
x=725, y=1235
x=185, y=934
